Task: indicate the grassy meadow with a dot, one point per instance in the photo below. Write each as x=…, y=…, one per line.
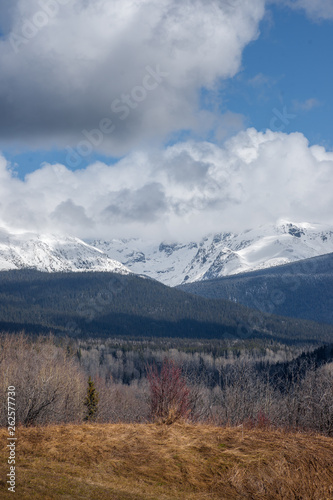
x=159, y=462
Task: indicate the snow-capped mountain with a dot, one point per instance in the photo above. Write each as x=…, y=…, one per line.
x=53, y=253
x=221, y=254
x=173, y=263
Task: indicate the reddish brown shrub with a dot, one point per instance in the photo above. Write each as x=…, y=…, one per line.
x=169, y=394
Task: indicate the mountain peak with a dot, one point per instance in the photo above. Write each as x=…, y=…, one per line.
x=222, y=254
x=172, y=263
x=53, y=253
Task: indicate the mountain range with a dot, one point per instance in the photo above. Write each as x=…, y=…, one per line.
x=52, y=281
x=221, y=254
x=171, y=263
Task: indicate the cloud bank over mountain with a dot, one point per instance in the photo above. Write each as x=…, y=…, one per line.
x=124, y=78
x=185, y=191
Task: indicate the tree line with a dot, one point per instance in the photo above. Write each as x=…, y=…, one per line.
x=232, y=384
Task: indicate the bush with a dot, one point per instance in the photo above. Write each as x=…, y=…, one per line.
x=169, y=394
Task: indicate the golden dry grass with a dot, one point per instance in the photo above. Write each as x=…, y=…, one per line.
x=143, y=462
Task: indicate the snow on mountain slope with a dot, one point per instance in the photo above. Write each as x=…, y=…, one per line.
x=214, y=256
x=52, y=253
x=221, y=254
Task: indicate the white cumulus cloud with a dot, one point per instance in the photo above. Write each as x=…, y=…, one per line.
x=185, y=191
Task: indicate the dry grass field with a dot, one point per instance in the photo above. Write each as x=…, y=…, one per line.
x=143, y=462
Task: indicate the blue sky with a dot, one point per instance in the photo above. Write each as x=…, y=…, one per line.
x=288, y=66
x=165, y=118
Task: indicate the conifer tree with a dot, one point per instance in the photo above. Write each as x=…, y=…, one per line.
x=91, y=402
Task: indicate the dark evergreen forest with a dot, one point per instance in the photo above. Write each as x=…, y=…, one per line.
x=107, y=304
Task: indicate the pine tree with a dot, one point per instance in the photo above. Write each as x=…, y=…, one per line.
x=91, y=402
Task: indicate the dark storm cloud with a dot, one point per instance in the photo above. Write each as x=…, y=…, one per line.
x=67, y=66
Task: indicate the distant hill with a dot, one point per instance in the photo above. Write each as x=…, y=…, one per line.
x=110, y=304
x=303, y=289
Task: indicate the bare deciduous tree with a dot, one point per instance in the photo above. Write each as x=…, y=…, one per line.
x=170, y=395
x=49, y=384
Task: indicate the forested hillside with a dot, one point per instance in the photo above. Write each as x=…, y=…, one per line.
x=106, y=304
x=303, y=289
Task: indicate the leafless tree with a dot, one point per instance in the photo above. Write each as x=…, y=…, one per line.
x=48, y=383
